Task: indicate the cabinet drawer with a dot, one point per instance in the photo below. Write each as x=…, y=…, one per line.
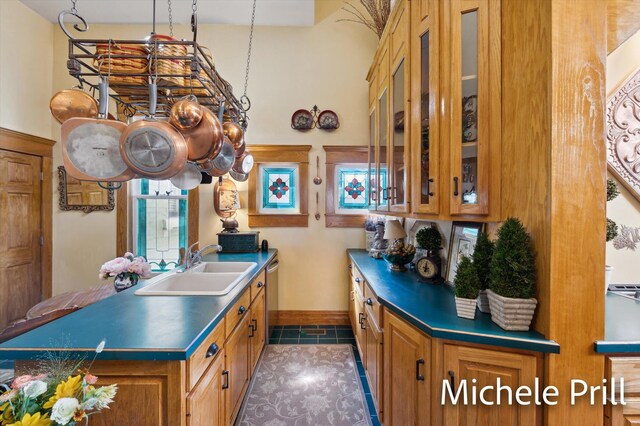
x=205, y=354
x=373, y=306
x=258, y=284
x=357, y=279
x=237, y=312
x=629, y=368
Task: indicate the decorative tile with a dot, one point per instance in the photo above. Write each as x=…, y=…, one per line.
x=279, y=187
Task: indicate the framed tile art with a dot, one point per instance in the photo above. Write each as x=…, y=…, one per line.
x=278, y=186
x=347, y=190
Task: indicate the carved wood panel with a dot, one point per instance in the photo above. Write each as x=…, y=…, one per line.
x=623, y=134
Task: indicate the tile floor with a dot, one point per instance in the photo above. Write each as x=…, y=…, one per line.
x=324, y=334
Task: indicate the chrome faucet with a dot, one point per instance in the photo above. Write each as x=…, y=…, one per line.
x=194, y=257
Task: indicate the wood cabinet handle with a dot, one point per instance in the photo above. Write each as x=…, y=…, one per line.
x=360, y=318
x=452, y=379
x=419, y=376
x=389, y=196
x=429, y=182
x=241, y=310
x=213, y=349
x=255, y=324
x=455, y=186
x=362, y=321
x=260, y=284
x=251, y=330
x=225, y=384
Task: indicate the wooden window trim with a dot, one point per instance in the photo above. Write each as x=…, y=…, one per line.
x=280, y=154
x=122, y=218
x=24, y=143
x=337, y=155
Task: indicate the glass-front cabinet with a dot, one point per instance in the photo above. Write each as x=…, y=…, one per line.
x=425, y=143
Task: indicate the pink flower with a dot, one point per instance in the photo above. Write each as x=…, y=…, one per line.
x=128, y=255
x=22, y=381
x=115, y=266
x=140, y=266
x=90, y=379
x=8, y=396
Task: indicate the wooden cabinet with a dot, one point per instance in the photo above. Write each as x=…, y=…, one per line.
x=373, y=360
x=359, y=316
x=237, y=366
x=629, y=414
x=206, y=403
x=257, y=326
x=435, y=123
x=407, y=378
x=461, y=363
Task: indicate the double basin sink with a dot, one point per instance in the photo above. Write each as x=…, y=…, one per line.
x=203, y=279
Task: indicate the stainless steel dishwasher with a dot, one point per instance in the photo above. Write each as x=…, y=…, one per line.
x=272, y=294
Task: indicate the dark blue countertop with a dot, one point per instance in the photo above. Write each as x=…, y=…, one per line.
x=622, y=326
x=137, y=327
x=432, y=309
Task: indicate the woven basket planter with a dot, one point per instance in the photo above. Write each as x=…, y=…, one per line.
x=466, y=308
x=511, y=314
x=483, y=302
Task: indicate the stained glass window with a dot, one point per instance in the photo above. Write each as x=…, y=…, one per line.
x=352, y=188
x=279, y=190
x=159, y=222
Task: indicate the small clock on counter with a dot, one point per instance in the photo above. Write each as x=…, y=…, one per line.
x=429, y=268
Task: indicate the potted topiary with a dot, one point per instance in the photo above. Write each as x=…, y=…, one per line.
x=513, y=278
x=612, y=230
x=429, y=239
x=466, y=288
x=482, y=261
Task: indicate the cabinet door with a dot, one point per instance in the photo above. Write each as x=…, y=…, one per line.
x=485, y=366
x=474, y=103
x=206, y=403
x=360, y=326
x=383, y=180
x=373, y=364
x=406, y=391
x=425, y=136
x=237, y=365
x=399, y=158
x=258, y=333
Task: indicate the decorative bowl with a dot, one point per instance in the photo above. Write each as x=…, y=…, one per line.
x=397, y=261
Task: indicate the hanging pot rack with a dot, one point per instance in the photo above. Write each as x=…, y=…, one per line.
x=200, y=76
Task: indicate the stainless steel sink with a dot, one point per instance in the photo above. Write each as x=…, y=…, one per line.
x=205, y=279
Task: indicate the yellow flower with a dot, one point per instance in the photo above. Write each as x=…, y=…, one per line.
x=35, y=420
x=67, y=389
x=6, y=414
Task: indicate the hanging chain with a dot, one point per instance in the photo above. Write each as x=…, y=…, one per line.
x=194, y=6
x=73, y=6
x=245, y=99
x=170, y=19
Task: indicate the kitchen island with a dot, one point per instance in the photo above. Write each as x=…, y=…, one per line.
x=178, y=360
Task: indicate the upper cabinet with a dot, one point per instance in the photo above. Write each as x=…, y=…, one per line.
x=435, y=116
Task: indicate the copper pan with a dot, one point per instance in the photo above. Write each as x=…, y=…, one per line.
x=204, y=141
x=244, y=163
x=72, y=103
x=186, y=113
x=234, y=132
x=222, y=163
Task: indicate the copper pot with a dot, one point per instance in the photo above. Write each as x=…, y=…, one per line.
x=244, y=163
x=186, y=113
x=234, y=132
x=205, y=139
x=72, y=103
x=222, y=163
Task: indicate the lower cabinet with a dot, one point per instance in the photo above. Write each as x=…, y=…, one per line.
x=463, y=364
x=258, y=333
x=206, y=402
x=237, y=364
x=373, y=361
x=359, y=328
x=629, y=414
x=407, y=378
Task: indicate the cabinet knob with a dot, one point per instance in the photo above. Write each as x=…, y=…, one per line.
x=213, y=349
x=350, y=266
x=241, y=310
x=369, y=302
x=260, y=284
x=357, y=280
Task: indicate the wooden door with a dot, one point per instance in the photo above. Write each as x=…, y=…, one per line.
x=486, y=366
x=406, y=382
x=258, y=333
x=373, y=362
x=206, y=403
x=425, y=117
x=237, y=364
x=20, y=231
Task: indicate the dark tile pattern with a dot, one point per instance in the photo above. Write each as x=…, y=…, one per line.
x=335, y=334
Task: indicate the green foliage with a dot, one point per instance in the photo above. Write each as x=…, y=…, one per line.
x=513, y=269
x=467, y=284
x=612, y=230
x=482, y=259
x=429, y=238
x=612, y=190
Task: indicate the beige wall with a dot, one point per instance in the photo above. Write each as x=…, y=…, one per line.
x=625, y=209
x=291, y=68
x=26, y=61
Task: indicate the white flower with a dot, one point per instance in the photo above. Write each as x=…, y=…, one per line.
x=89, y=404
x=34, y=389
x=103, y=396
x=100, y=347
x=63, y=410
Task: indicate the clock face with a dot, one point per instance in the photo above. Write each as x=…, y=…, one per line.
x=426, y=268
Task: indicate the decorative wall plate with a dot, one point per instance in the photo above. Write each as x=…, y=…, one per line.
x=623, y=134
x=302, y=120
x=328, y=120
x=470, y=118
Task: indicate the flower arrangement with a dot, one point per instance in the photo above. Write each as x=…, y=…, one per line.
x=126, y=270
x=47, y=400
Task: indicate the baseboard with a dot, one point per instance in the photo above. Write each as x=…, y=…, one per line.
x=311, y=318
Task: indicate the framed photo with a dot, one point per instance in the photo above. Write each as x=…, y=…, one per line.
x=462, y=243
